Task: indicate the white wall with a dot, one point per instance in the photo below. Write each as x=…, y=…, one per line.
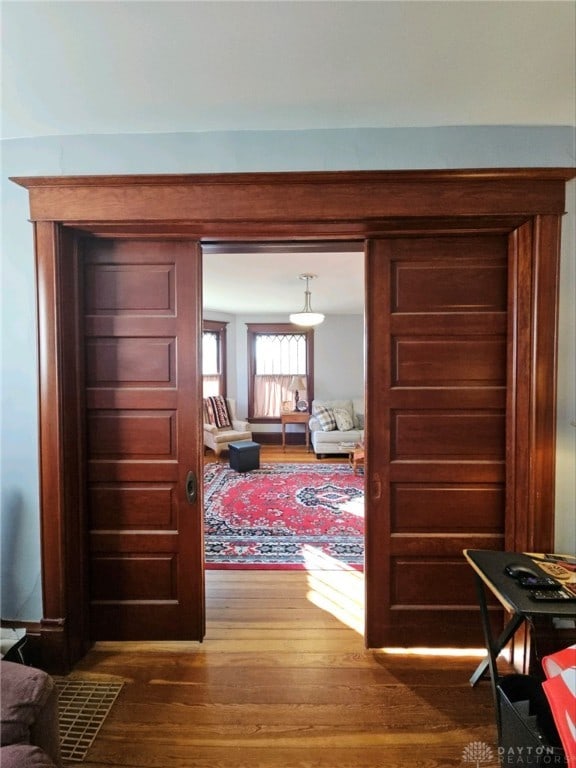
x=353, y=149
x=339, y=358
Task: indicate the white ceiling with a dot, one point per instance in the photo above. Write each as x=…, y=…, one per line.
x=249, y=283
x=130, y=66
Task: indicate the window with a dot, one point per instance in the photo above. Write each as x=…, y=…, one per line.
x=213, y=358
x=276, y=353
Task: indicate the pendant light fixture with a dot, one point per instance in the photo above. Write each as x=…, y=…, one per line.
x=307, y=317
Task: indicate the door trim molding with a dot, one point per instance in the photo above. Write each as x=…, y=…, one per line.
x=527, y=204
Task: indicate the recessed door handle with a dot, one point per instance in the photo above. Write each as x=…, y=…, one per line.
x=376, y=487
x=191, y=487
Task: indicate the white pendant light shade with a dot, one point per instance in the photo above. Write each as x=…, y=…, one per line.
x=307, y=317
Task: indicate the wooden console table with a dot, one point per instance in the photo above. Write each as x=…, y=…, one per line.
x=295, y=417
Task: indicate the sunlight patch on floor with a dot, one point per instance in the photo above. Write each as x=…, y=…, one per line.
x=354, y=506
x=456, y=652
x=336, y=588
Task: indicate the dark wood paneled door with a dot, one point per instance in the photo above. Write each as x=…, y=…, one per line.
x=142, y=328
x=437, y=374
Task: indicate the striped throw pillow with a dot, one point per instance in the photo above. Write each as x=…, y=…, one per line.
x=217, y=411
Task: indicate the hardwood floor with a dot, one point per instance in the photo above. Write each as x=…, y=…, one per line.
x=282, y=680
x=292, y=454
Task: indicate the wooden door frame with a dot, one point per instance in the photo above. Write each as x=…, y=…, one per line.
x=524, y=204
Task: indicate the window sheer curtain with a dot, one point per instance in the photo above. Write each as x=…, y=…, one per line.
x=211, y=385
x=270, y=392
x=279, y=357
x=210, y=364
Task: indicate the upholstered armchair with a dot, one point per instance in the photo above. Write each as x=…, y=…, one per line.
x=218, y=437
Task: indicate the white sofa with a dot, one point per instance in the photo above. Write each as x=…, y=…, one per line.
x=337, y=441
x=218, y=439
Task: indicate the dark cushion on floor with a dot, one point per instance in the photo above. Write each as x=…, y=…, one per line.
x=29, y=709
x=25, y=691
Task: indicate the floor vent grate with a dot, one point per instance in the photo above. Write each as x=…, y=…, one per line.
x=83, y=706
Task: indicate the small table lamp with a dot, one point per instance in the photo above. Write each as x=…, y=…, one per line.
x=297, y=385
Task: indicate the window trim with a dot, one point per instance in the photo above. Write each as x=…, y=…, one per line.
x=253, y=330
x=219, y=327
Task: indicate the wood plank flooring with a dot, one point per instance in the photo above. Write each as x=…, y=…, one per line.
x=282, y=680
x=296, y=454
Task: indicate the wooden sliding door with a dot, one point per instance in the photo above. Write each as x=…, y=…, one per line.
x=437, y=431
x=142, y=336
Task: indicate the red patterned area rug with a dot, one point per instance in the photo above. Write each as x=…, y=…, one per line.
x=283, y=517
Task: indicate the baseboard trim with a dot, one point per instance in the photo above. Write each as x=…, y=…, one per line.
x=274, y=438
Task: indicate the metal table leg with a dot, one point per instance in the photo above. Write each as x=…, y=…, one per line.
x=493, y=648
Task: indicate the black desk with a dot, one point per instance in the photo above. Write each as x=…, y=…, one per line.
x=489, y=570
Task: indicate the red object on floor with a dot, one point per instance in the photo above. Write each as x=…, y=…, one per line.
x=560, y=690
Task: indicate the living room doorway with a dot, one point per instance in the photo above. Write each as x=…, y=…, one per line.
x=254, y=282
x=442, y=247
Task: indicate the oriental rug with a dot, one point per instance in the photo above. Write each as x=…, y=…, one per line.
x=283, y=517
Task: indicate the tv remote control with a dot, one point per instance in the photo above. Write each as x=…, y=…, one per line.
x=552, y=594
x=538, y=582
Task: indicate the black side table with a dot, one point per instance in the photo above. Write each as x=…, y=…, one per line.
x=489, y=571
